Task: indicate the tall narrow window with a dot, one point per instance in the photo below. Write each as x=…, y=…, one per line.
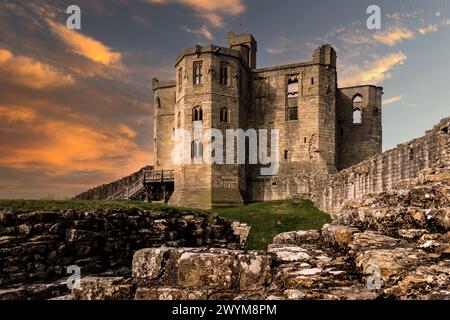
x=197, y=114
x=180, y=79
x=179, y=120
x=197, y=72
x=357, y=109
x=286, y=154
x=224, y=115
x=292, y=90
x=224, y=73
x=292, y=113
x=196, y=149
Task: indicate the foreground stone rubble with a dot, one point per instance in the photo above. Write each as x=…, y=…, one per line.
x=393, y=245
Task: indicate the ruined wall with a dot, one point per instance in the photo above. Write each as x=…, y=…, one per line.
x=356, y=142
x=164, y=122
x=384, y=171
x=40, y=245
x=106, y=190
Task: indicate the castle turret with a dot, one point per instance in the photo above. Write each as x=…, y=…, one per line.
x=246, y=45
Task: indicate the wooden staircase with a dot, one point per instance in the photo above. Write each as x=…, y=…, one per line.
x=147, y=185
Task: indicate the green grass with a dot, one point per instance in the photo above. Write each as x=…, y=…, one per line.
x=268, y=219
x=23, y=206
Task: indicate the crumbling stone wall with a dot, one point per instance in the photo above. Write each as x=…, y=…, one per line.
x=384, y=171
x=40, y=245
x=106, y=190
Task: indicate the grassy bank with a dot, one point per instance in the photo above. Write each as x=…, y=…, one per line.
x=268, y=219
x=22, y=206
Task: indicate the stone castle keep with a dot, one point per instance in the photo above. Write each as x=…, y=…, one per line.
x=323, y=128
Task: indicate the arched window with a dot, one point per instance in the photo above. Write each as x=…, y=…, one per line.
x=357, y=116
x=197, y=114
x=357, y=109
x=196, y=149
x=224, y=115
x=357, y=98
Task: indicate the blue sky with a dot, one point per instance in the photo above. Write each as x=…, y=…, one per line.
x=76, y=107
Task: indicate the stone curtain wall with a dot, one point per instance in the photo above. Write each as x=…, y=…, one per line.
x=384, y=171
x=104, y=191
x=40, y=246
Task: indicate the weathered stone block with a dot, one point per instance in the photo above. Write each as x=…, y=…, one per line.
x=296, y=237
x=216, y=269
x=338, y=235
x=254, y=270
x=148, y=264
x=103, y=288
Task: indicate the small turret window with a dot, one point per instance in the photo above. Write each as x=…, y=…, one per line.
x=224, y=115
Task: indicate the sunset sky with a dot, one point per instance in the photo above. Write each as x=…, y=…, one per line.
x=76, y=106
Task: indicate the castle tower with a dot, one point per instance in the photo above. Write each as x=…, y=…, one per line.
x=324, y=88
x=211, y=82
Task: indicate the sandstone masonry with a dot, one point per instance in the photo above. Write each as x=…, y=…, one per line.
x=322, y=128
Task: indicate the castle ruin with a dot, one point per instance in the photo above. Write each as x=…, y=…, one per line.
x=322, y=128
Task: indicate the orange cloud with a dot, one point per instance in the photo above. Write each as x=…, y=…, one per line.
x=203, y=31
x=392, y=100
x=16, y=114
x=86, y=46
x=127, y=131
x=66, y=147
x=212, y=11
x=393, y=36
x=373, y=73
x=28, y=72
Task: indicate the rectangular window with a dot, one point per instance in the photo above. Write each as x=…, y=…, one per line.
x=180, y=79
x=197, y=72
x=292, y=113
x=224, y=74
x=292, y=88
